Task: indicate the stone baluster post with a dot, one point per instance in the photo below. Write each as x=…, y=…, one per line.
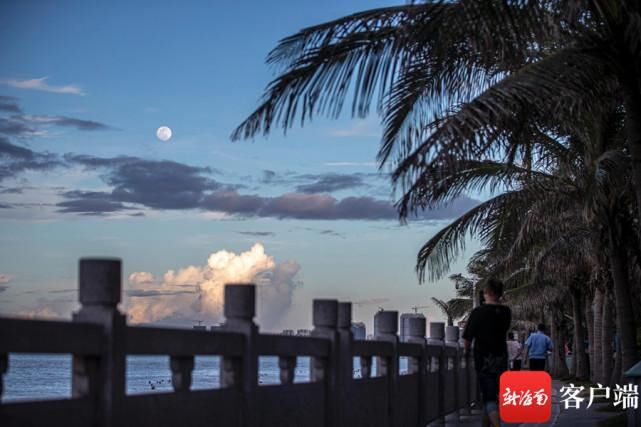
x=345, y=362
x=325, y=321
x=240, y=309
x=451, y=340
x=181, y=370
x=386, y=329
x=287, y=368
x=467, y=369
x=4, y=367
x=437, y=338
x=416, y=327
x=102, y=378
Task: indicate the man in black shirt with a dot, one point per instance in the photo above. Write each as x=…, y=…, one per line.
x=487, y=328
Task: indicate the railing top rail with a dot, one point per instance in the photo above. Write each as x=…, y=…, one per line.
x=410, y=349
x=372, y=348
x=47, y=336
x=183, y=342
x=283, y=345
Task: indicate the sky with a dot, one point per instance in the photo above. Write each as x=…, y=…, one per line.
x=83, y=89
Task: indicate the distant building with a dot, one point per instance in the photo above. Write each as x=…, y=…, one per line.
x=405, y=323
x=303, y=332
x=358, y=329
x=217, y=326
x=288, y=332
x=200, y=327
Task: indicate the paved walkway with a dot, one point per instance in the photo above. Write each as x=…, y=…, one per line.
x=560, y=416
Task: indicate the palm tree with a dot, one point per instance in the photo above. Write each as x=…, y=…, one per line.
x=453, y=73
x=461, y=305
x=446, y=309
x=482, y=94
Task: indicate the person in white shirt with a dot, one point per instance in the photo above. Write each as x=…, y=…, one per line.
x=513, y=352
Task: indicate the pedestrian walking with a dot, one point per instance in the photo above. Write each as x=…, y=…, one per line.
x=536, y=349
x=513, y=352
x=486, y=329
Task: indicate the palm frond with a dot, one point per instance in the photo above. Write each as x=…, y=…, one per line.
x=437, y=253
x=565, y=82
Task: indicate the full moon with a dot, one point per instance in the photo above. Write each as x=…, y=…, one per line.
x=163, y=133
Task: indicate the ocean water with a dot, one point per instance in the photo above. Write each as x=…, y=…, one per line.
x=48, y=376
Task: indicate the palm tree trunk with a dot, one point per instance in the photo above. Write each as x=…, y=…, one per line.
x=582, y=369
x=589, y=322
x=607, y=337
x=632, y=98
x=597, y=338
x=615, y=378
x=559, y=367
x=626, y=329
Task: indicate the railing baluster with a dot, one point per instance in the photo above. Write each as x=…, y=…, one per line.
x=325, y=320
x=240, y=309
x=85, y=375
x=366, y=366
x=416, y=329
x=4, y=367
x=181, y=371
x=100, y=285
x=439, y=364
x=386, y=329
x=287, y=366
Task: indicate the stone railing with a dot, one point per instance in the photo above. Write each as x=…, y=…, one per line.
x=437, y=382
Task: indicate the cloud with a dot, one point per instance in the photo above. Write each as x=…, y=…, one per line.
x=332, y=182
x=79, y=124
x=156, y=184
x=325, y=206
x=30, y=125
x=42, y=85
x=232, y=202
x=356, y=130
x=45, y=308
x=268, y=176
x=350, y=164
x=17, y=128
x=169, y=185
x=331, y=233
x=15, y=159
x=318, y=183
x=257, y=233
x=90, y=203
x=141, y=278
x=4, y=280
x=154, y=300
x=10, y=104
x=12, y=190
x=135, y=293
x=299, y=206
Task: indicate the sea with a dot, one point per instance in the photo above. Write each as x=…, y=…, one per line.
x=48, y=376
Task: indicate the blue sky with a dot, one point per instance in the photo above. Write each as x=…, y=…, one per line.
x=83, y=89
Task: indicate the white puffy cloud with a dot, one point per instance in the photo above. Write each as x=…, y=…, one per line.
x=193, y=293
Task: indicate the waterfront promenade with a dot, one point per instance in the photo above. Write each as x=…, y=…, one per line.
x=438, y=387
x=439, y=379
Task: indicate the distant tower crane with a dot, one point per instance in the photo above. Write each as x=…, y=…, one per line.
x=417, y=307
